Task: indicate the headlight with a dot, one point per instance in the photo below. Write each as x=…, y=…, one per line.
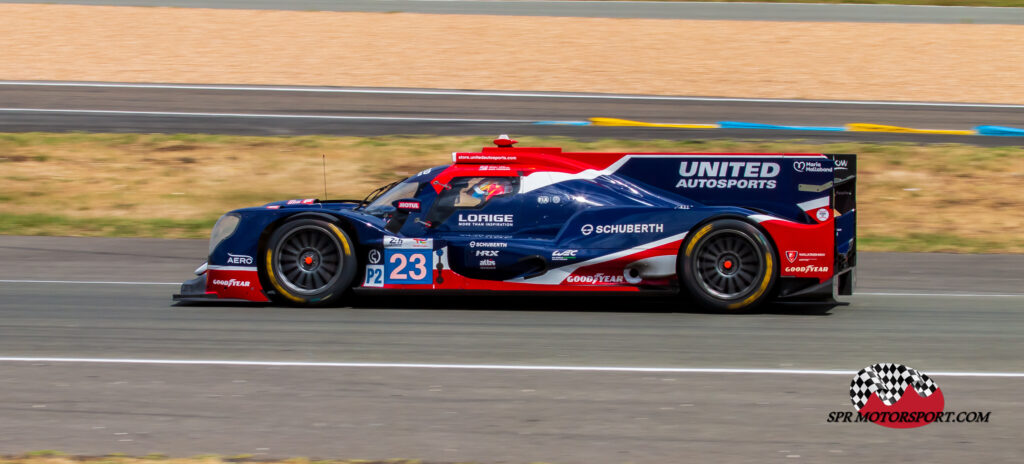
x=223, y=229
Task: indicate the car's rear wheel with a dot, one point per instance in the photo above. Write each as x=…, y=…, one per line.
x=728, y=265
x=309, y=262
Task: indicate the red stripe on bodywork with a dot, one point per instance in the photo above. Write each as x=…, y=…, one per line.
x=235, y=284
x=805, y=250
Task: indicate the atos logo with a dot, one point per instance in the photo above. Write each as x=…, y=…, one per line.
x=239, y=259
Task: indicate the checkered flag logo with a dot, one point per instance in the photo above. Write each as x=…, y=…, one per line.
x=889, y=382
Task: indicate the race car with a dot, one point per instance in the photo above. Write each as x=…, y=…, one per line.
x=728, y=231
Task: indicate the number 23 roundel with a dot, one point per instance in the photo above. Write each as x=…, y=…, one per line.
x=404, y=263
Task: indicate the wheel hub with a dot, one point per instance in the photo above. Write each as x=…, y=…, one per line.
x=309, y=260
x=729, y=264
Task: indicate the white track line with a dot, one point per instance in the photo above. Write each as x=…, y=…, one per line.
x=967, y=295
x=253, y=115
x=249, y=88
x=500, y=367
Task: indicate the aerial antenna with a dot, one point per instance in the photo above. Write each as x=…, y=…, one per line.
x=323, y=158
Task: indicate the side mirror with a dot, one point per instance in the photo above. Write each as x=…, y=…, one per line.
x=407, y=205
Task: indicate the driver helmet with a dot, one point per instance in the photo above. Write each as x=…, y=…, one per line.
x=489, y=188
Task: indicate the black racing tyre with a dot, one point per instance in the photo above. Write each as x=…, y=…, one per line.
x=728, y=266
x=309, y=262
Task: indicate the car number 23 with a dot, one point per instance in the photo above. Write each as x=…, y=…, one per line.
x=404, y=267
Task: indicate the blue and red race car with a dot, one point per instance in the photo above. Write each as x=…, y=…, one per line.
x=727, y=230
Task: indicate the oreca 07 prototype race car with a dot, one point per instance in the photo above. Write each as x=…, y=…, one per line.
x=729, y=231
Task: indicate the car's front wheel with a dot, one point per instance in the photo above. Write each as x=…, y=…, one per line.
x=728, y=265
x=309, y=262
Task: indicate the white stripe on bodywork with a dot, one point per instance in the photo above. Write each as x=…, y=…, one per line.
x=215, y=267
x=759, y=218
x=543, y=179
x=813, y=204
x=556, y=276
x=539, y=180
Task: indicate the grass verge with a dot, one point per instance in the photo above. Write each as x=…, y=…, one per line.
x=951, y=198
x=46, y=224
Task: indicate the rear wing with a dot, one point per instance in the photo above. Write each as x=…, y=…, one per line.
x=844, y=205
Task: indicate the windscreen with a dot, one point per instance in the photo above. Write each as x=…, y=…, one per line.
x=404, y=189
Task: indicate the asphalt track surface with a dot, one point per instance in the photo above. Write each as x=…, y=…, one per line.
x=371, y=397
x=267, y=110
x=605, y=9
